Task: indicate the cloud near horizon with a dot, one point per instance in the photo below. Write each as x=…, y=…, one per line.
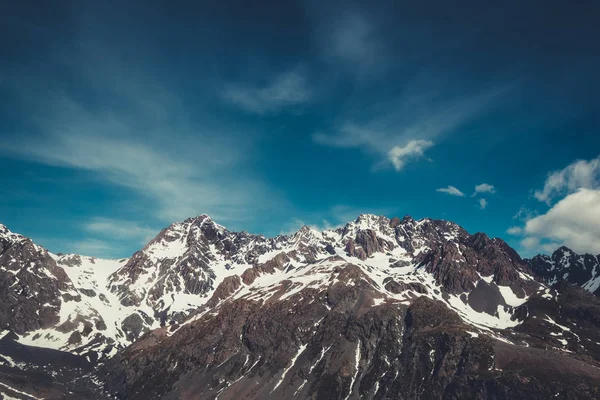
x=574, y=218
x=121, y=229
x=573, y=222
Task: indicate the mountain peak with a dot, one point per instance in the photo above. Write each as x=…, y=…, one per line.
x=369, y=218
x=199, y=218
x=563, y=251
x=305, y=229
x=407, y=218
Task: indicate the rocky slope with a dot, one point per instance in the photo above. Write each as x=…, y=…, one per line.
x=566, y=265
x=379, y=308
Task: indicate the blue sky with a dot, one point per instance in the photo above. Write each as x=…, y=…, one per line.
x=118, y=119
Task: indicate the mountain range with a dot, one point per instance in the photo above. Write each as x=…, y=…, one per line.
x=378, y=308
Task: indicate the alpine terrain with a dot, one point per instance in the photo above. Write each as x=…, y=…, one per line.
x=376, y=309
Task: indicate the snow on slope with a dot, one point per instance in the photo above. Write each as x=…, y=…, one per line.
x=398, y=263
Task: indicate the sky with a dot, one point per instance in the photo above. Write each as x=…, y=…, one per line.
x=119, y=118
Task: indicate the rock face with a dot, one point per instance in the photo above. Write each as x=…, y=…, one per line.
x=377, y=309
x=32, y=286
x=565, y=265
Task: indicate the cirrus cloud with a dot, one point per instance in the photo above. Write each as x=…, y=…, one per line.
x=514, y=230
x=285, y=90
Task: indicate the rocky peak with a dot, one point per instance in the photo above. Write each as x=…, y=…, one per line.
x=407, y=219
x=306, y=236
x=3, y=230
x=33, y=287
x=199, y=218
x=563, y=254
x=566, y=265
x=7, y=237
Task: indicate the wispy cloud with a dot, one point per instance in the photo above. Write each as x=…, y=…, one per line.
x=353, y=41
x=514, y=230
x=404, y=129
x=451, y=190
x=524, y=214
x=123, y=138
x=283, y=91
x=484, y=188
x=96, y=248
x=483, y=204
x=579, y=174
x=120, y=229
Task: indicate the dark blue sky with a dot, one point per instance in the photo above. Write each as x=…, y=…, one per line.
x=118, y=119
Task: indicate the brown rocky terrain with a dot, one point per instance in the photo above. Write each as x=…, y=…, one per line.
x=335, y=344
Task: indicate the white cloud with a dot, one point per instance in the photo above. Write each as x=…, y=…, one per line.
x=286, y=90
x=484, y=188
x=483, y=204
x=525, y=214
x=530, y=243
x=120, y=229
x=580, y=174
x=413, y=150
x=350, y=136
x=574, y=222
x=514, y=230
x=451, y=190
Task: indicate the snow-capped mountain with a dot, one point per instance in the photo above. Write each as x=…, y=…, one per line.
x=204, y=310
x=564, y=264
x=376, y=308
x=97, y=306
